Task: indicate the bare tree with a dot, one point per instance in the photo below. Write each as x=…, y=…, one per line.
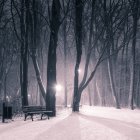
x=78, y=37
x=51, y=65
x=135, y=8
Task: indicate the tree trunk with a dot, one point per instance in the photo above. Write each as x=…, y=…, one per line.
x=78, y=35
x=89, y=95
x=65, y=62
x=89, y=50
x=113, y=84
x=51, y=66
x=132, y=73
x=24, y=53
x=38, y=76
x=34, y=40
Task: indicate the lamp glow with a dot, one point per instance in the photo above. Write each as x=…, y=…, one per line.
x=29, y=95
x=79, y=71
x=58, y=87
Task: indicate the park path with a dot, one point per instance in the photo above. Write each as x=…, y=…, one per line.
x=70, y=126
x=83, y=127
x=28, y=130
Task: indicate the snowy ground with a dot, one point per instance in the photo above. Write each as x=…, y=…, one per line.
x=92, y=123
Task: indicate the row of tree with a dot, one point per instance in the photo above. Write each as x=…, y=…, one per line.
x=101, y=37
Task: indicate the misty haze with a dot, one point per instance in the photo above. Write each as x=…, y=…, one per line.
x=69, y=69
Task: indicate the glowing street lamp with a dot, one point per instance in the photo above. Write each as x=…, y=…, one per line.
x=29, y=95
x=58, y=87
x=79, y=70
x=8, y=98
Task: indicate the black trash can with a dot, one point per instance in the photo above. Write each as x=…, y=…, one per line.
x=7, y=112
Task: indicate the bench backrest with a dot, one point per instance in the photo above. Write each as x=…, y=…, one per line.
x=33, y=108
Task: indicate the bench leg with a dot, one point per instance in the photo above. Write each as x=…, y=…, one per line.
x=25, y=117
x=41, y=116
x=32, y=117
x=48, y=117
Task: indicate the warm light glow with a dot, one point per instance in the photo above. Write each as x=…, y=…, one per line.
x=8, y=98
x=29, y=95
x=58, y=87
x=79, y=71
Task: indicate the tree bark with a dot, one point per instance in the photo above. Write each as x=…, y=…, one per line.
x=51, y=66
x=78, y=35
x=132, y=73
x=33, y=23
x=89, y=96
x=24, y=52
x=38, y=76
x=113, y=84
x=65, y=62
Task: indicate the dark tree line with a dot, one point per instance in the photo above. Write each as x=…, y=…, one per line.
x=101, y=37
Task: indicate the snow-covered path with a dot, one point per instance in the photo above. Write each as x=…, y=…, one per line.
x=82, y=127
x=28, y=130
x=90, y=124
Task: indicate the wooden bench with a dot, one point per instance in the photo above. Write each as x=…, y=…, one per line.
x=31, y=110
